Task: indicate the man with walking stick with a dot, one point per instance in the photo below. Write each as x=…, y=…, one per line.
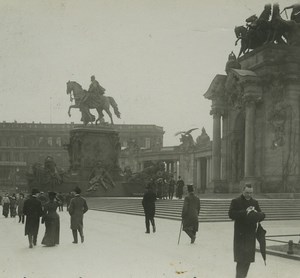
x=190, y=212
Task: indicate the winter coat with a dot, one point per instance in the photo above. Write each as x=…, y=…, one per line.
x=179, y=188
x=20, y=203
x=244, y=228
x=77, y=208
x=33, y=211
x=190, y=212
x=148, y=203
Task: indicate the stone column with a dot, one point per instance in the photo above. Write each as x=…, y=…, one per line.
x=172, y=167
x=216, y=145
x=198, y=169
x=252, y=95
x=249, y=137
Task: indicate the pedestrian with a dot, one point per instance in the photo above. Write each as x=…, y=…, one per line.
x=171, y=187
x=5, y=205
x=20, y=203
x=179, y=187
x=33, y=211
x=246, y=213
x=68, y=199
x=61, y=199
x=77, y=208
x=148, y=203
x=13, y=205
x=51, y=220
x=190, y=212
x=160, y=190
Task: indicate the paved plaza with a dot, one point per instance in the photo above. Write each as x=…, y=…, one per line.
x=116, y=246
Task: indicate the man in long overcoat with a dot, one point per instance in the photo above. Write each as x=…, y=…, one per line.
x=179, y=187
x=190, y=212
x=77, y=208
x=33, y=211
x=148, y=203
x=246, y=213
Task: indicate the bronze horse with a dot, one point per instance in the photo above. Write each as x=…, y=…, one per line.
x=256, y=33
x=85, y=101
x=287, y=29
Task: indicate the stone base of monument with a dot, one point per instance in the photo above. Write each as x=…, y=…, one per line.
x=94, y=153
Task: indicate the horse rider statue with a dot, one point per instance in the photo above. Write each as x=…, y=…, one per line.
x=95, y=87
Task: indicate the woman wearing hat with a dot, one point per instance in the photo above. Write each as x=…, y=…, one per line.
x=5, y=204
x=51, y=219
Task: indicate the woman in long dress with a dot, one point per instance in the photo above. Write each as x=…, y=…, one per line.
x=5, y=205
x=51, y=220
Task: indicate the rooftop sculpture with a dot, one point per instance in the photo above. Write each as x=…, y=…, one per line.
x=263, y=29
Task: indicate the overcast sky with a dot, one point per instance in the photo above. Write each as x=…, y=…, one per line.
x=156, y=58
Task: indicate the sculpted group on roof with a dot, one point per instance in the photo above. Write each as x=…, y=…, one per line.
x=269, y=27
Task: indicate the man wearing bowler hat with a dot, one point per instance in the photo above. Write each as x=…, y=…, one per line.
x=77, y=208
x=33, y=211
x=190, y=212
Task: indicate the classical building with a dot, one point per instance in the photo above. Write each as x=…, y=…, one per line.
x=191, y=160
x=256, y=121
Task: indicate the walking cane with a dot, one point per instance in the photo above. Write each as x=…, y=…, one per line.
x=180, y=232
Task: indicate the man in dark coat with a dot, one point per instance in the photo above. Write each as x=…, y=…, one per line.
x=179, y=187
x=33, y=211
x=171, y=184
x=77, y=208
x=148, y=203
x=190, y=212
x=246, y=213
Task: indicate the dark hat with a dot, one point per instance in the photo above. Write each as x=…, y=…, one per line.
x=77, y=190
x=51, y=194
x=190, y=188
x=34, y=191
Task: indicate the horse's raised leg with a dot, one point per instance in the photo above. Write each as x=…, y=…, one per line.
x=69, y=111
x=72, y=106
x=110, y=116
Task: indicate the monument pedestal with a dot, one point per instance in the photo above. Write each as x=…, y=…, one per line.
x=93, y=153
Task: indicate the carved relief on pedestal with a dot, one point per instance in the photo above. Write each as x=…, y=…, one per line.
x=74, y=149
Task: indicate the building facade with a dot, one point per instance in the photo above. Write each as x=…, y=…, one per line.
x=23, y=144
x=256, y=122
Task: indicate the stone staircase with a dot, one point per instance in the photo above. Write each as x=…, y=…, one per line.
x=212, y=210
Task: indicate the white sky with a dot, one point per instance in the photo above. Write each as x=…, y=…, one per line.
x=156, y=58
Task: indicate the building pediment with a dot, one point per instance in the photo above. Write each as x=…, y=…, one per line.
x=238, y=77
x=217, y=87
x=242, y=85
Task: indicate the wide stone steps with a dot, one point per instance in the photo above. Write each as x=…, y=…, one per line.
x=212, y=210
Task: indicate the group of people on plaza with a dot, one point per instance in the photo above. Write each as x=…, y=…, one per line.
x=166, y=188
x=190, y=210
x=39, y=207
x=244, y=210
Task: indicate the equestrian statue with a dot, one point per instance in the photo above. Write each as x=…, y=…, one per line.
x=94, y=98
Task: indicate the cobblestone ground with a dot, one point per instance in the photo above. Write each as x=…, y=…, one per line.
x=116, y=246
